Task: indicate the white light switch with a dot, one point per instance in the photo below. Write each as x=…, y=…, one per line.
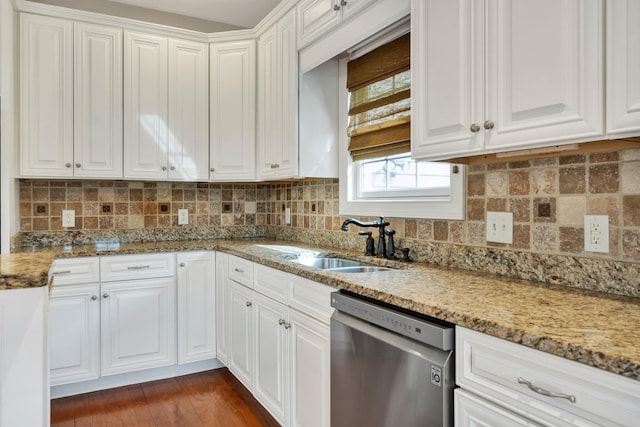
x=596, y=233
x=183, y=216
x=500, y=227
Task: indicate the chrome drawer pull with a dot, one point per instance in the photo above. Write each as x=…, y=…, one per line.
x=571, y=398
x=55, y=273
x=238, y=270
x=137, y=267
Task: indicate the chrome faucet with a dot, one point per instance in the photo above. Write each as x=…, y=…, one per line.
x=380, y=224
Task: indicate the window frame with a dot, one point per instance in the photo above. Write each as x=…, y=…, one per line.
x=450, y=207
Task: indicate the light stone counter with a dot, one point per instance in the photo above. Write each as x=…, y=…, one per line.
x=597, y=329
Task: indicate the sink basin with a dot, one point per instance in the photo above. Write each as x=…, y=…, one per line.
x=327, y=263
x=360, y=269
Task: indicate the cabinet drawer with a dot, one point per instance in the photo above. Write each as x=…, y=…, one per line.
x=271, y=282
x=496, y=369
x=143, y=266
x=70, y=271
x=311, y=298
x=241, y=271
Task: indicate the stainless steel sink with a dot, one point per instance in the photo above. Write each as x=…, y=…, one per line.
x=360, y=269
x=327, y=263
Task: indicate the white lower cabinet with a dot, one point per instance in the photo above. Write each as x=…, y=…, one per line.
x=74, y=333
x=222, y=307
x=196, y=306
x=276, y=337
x=138, y=325
x=473, y=411
x=541, y=388
x=241, y=333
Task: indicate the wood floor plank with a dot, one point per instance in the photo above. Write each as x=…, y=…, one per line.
x=213, y=399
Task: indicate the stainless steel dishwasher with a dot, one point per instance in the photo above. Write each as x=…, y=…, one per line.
x=389, y=367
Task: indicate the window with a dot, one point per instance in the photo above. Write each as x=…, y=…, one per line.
x=376, y=164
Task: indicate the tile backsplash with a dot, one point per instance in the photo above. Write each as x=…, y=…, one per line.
x=548, y=197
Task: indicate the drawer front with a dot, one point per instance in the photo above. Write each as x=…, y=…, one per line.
x=71, y=271
x=270, y=282
x=311, y=298
x=497, y=369
x=241, y=271
x=143, y=266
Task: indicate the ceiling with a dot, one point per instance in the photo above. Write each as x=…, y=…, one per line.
x=242, y=13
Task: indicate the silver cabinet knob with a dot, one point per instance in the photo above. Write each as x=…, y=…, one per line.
x=68, y=165
x=474, y=128
x=248, y=304
x=212, y=169
x=78, y=165
x=281, y=322
x=343, y=2
x=182, y=264
x=488, y=125
x=277, y=165
x=94, y=297
x=173, y=168
x=336, y=7
x=105, y=295
x=287, y=325
x=164, y=168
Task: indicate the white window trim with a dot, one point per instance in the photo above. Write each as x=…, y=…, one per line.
x=449, y=207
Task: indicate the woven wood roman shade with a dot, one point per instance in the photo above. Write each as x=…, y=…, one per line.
x=379, y=84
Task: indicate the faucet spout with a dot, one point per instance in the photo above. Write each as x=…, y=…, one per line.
x=378, y=223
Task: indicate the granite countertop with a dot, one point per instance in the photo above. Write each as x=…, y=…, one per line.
x=597, y=329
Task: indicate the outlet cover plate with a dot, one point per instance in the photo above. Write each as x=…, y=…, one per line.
x=183, y=216
x=596, y=233
x=68, y=218
x=500, y=227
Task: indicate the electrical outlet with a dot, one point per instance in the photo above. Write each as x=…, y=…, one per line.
x=183, y=216
x=596, y=233
x=500, y=227
x=287, y=216
x=69, y=218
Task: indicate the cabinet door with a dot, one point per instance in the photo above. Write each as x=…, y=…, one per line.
x=46, y=96
x=317, y=17
x=233, y=111
x=97, y=101
x=447, y=78
x=138, y=325
x=188, y=122
x=268, y=114
x=310, y=376
x=74, y=333
x=473, y=411
x=271, y=364
x=241, y=333
x=223, y=312
x=196, y=306
x=288, y=101
x=544, y=73
x=623, y=68
x=145, y=106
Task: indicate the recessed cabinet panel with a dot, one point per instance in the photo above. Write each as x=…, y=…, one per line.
x=46, y=96
x=241, y=333
x=188, y=121
x=232, y=111
x=623, y=68
x=97, y=101
x=145, y=106
x=316, y=17
x=544, y=68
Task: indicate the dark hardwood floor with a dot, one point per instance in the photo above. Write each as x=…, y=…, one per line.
x=213, y=398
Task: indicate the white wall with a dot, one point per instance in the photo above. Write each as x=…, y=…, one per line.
x=9, y=206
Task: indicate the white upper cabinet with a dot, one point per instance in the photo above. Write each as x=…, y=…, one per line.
x=145, y=106
x=46, y=96
x=97, y=102
x=623, y=68
x=188, y=129
x=278, y=100
x=316, y=17
x=233, y=111
x=165, y=108
x=505, y=75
